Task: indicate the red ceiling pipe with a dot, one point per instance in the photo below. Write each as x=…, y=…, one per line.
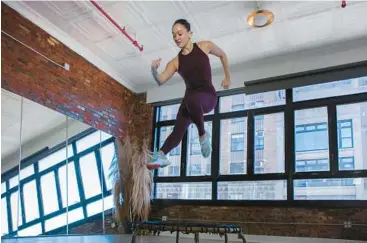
x=122, y=30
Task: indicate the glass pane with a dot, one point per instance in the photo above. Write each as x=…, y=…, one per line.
x=90, y=176
x=3, y=187
x=352, y=136
x=13, y=182
x=269, y=143
x=14, y=211
x=107, y=153
x=97, y=206
x=55, y=158
x=331, y=189
x=168, y=112
x=309, y=165
x=108, y=202
x=49, y=193
x=241, y=102
x=331, y=89
x=233, y=146
x=60, y=220
x=26, y=172
x=189, y=190
x=4, y=217
x=232, y=103
x=94, y=208
x=31, y=231
x=91, y=140
x=174, y=155
x=252, y=190
x=311, y=140
x=55, y=222
x=30, y=201
x=75, y=215
x=72, y=185
x=197, y=165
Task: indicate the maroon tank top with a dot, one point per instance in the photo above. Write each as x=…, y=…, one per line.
x=195, y=69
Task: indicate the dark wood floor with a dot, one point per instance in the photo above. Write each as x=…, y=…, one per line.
x=158, y=239
x=73, y=239
x=105, y=239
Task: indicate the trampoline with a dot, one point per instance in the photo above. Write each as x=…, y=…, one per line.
x=187, y=227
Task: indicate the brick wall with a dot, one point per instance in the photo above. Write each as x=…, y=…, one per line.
x=84, y=93
x=276, y=221
x=142, y=118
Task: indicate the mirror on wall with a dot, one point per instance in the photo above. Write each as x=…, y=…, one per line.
x=64, y=185
x=94, y=152
x=43, y=152
x=84, y=180
x=11, y=113
x=106, y=153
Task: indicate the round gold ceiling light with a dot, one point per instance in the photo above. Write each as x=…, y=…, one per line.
x=260, y=18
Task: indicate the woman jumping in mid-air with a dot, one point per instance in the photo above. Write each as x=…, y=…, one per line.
x=193, y=64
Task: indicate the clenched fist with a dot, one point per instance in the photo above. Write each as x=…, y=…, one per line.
x=156, y=63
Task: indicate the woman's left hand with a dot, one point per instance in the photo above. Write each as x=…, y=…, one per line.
x=226, y=82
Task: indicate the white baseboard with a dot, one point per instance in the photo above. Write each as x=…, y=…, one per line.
x=264, y=238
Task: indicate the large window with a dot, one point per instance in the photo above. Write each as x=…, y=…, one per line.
x=289, y=146
x=48, y=186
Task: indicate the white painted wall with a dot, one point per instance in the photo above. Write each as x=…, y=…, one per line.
x=49, y=139
x=301, y=61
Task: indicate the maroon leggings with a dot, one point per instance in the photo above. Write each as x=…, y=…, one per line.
x=192, y=110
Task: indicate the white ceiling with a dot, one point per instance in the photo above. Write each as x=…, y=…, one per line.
x=298, y=25
x=37, y=120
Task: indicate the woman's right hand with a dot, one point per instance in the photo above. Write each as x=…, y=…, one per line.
x=156, y=63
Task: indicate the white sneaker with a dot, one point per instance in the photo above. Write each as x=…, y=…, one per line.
x=157, y=160
x=206, y=147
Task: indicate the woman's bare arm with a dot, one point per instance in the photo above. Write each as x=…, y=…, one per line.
x=170, y=70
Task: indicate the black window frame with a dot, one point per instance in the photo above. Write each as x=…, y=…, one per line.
x=289, y=175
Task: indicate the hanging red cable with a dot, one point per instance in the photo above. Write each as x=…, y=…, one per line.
x=344, y=4
x=122, y=30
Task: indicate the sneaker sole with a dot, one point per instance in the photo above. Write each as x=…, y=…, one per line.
x=153, y=166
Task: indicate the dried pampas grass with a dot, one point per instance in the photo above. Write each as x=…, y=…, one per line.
x=132, y=181
x=142, y=184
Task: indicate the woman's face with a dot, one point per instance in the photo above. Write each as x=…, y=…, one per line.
x=180, y=35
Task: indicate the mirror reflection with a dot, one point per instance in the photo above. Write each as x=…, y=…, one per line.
x=64, y=183
x=11, y=117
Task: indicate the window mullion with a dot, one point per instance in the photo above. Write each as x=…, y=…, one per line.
x=289, y=144
x=58, y=188
x=39, y=197
x=184, y=147
x=22, y=208
x=333, y=137
x=250, y=144
x=79, y=180
x=215, y=163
